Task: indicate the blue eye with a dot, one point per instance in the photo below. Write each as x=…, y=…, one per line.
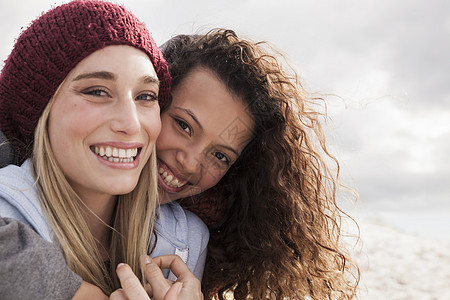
x=147, y=97
x=96, y=92
x=222, y=157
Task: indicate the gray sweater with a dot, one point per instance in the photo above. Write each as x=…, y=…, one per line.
x=31, y=263
x=31, y=267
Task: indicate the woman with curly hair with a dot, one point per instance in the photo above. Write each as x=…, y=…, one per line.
x=273, y=217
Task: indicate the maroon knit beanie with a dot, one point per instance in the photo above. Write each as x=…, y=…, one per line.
x=51, y=47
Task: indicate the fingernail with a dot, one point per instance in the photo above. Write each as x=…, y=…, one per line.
x=120, y=265
x=148, y=260
x=179, y=288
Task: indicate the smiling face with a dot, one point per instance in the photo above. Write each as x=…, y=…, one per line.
x=204, y=131
x=104, y=121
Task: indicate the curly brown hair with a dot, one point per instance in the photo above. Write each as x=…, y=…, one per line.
x=278, y=235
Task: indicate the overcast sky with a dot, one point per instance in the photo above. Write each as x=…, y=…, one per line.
x=389, y=61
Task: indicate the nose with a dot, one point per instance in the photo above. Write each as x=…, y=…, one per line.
x=125, y=117
x=189, y=161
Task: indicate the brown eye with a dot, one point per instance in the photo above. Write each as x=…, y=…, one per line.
x=222, y=157
x=184, y=126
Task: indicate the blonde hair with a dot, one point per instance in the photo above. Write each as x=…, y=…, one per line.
x=132, y=225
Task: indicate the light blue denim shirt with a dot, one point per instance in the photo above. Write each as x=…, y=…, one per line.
x=181, y=232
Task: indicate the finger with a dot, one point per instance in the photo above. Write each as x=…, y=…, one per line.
x=118, y=295
x=154, y=276
x=175, y=264
x=174, y=291
x=148, y=289
x=130, y=283
x=191, y=285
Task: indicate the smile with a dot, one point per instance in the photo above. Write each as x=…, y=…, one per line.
x=170, y=179
x=116, y=155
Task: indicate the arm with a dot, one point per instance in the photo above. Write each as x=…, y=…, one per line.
x=30, y=267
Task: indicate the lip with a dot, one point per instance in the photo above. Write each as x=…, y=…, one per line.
x=120, y=145
x=165, y=186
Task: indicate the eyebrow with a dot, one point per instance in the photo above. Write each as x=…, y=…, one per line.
x=231, y=149
x=150, y=79
x=110, y=76
x=99, y=74
x=191, y=114
x=194, y=117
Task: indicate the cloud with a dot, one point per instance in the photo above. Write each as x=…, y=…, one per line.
x=394, y=156
x=388, y=60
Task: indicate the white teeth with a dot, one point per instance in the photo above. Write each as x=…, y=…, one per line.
x=169, y=179
x=116, y=154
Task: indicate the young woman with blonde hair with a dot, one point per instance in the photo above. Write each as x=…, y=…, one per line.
x=80, y=98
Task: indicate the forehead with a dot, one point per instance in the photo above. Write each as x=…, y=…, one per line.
x=223, y=115
x=121, y=59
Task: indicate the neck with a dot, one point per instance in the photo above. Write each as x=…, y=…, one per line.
x=99, y=214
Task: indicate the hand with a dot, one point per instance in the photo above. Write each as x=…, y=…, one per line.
x=187, y=286
x=131, y=286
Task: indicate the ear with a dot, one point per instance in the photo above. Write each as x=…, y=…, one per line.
x=7, y=153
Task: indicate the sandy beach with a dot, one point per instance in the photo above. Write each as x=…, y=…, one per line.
x=398, y=265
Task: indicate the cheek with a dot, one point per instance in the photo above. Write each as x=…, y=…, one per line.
x=66, y=143
x=62, y=131
x=153, y=126
x=65, y=119
x=166, y=138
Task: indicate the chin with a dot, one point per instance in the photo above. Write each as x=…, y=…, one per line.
x=123, y=188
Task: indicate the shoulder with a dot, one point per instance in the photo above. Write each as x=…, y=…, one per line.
x=27, y=257
x=195, y=223
x=183, y=233
x=19, y=198
x=182, y=228
x=16, y=190
x=175, y=220
x=13, y=176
